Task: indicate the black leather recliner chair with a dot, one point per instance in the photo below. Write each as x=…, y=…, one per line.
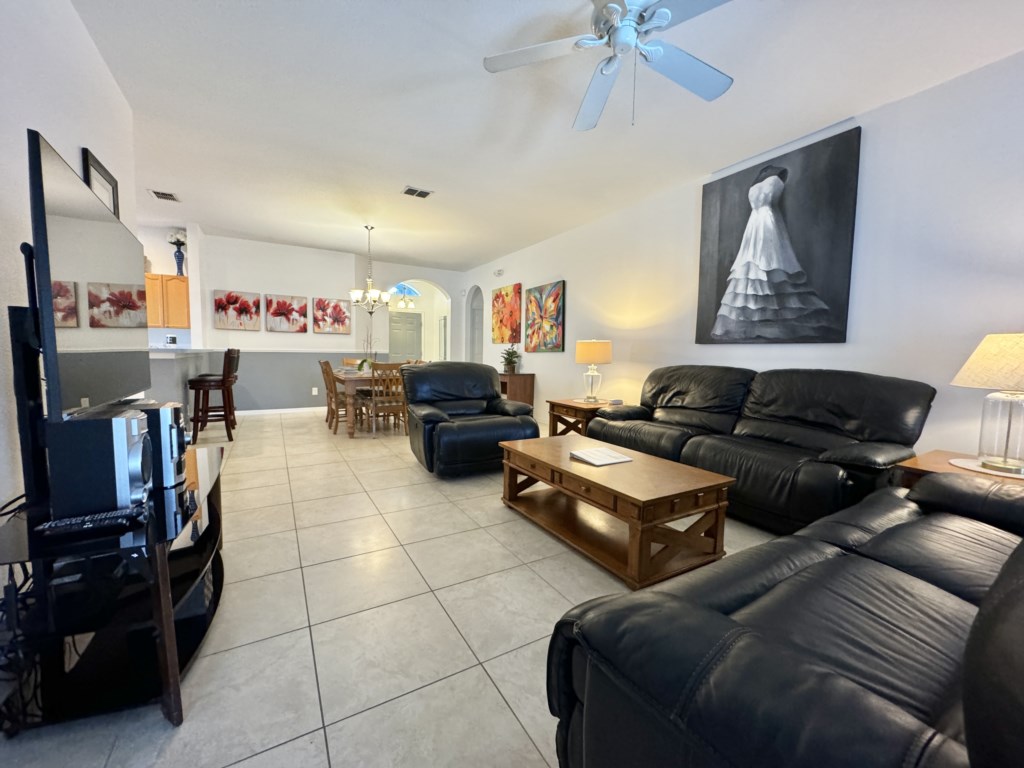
x=457, y=417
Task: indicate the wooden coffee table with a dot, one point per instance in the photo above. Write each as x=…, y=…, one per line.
x=617, y=515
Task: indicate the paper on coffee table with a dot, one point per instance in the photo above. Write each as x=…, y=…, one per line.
x=599, y=457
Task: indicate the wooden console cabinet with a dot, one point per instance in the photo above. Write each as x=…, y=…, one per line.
x=167, y=301
x=517, y=386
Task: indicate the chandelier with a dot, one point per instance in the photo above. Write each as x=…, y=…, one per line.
x=370, y=299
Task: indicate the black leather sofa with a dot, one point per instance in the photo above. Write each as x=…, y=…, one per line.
x=856, y=642
x=801, y=443
x=457, y=417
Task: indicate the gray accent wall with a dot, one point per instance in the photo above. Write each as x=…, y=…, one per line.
x=266, y=380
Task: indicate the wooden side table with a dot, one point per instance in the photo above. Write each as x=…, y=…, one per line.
x=517, y=386
x=565, y=416
x=914, y=469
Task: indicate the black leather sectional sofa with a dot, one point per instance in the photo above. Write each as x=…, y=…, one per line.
x=801, y=443
x=856, y=642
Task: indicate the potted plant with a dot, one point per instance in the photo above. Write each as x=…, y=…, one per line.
x=510, y=358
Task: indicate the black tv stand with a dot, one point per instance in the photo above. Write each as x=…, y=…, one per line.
x=115, y=623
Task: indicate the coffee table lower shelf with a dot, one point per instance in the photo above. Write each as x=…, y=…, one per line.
x=610, y=542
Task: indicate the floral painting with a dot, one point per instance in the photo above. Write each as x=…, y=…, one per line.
x=65, y=304
x=545, y=318
x=506, y=314
x=332, y=316
x=236, y=311
x=286, y=314
x=115, y=305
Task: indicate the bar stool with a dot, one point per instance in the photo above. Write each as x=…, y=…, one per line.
x=204, y=383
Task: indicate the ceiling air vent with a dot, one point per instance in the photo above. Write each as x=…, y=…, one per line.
x=413, y=192
x=168, y=196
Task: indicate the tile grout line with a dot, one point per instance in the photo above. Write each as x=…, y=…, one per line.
x=309, y=632
x=512, y=710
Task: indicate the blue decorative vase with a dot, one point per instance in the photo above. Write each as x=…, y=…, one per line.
x=179, y=259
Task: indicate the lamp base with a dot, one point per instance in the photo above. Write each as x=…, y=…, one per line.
x=1001, y=447
x=591, y=384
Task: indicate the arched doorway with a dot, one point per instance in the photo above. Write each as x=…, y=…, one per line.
x=475, y=325
x=419, y=329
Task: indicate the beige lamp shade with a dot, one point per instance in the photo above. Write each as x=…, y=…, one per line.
x=593, y=352
x=997, y=363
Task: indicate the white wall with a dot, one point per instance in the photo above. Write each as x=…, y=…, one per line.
x=226, y=263
x=937, y=263
x=54, y=81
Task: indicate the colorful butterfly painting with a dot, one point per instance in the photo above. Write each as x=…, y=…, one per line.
x=506, y=314
x=545, y=318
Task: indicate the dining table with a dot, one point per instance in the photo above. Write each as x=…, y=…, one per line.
x=350, y=380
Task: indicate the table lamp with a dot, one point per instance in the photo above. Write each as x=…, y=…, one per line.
x=998, y=363
x=593, y=353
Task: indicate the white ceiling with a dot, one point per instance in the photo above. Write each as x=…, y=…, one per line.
x=299, y=121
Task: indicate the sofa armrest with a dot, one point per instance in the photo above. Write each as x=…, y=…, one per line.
x=868, y=455
x=427, y=413
x=505, y=407
x=625, y=413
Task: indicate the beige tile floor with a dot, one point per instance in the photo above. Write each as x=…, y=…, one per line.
x=372, y=615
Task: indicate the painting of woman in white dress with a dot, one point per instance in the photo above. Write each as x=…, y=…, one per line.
x=775, y=268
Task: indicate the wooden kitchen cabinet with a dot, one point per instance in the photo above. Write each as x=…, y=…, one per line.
x=167, y=301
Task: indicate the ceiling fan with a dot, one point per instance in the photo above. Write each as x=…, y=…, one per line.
x=624, y=26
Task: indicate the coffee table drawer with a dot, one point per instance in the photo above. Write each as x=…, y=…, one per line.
x=535, y=468
x=584, y=490
x=680, y=506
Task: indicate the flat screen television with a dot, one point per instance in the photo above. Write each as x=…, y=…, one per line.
x=90, y=287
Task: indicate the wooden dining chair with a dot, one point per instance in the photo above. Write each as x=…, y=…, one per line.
x=335, y=408
x=387, y=396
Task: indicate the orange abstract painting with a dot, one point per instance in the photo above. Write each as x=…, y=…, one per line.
x=507, y=314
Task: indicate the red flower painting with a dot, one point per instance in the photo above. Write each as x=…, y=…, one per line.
x=332, y=316
x=286, y=314
x=236, y=311
x=65, y=304
x=116, y=306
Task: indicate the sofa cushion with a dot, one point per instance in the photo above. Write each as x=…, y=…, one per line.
x=862, y=406
x=926, y=547
x=715, y=388
x=771, y=476
x=433, y=382
x=883, y=629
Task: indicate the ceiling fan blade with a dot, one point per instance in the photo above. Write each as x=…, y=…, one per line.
x=597, y=93
x=532, y=54
x=688, y=71
x=682, y=9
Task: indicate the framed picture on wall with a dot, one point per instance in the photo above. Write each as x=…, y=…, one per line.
x=332, y=316
x=545, y=318
x=776, y=247
x=100, y=181
x=65, y=304
x=236, y=311
x=116, y=305
x=286, y=314
x=506, y=314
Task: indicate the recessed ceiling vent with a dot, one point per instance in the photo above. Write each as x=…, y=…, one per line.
x=413, y=192
x=168, y=196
